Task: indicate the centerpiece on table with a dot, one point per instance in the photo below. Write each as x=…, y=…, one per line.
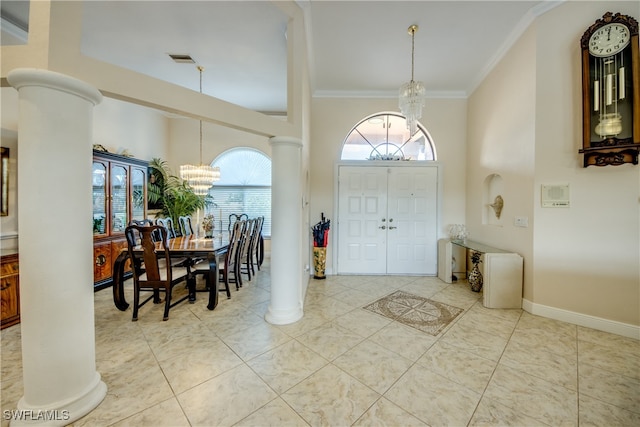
x=208, y=225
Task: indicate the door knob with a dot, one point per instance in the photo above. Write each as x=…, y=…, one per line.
x=383, y=220
x=382, y=227
x=392, y=228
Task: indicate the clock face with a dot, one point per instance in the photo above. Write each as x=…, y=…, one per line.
x=609, y=40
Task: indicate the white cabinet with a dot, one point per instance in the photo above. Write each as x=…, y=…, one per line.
x=501, y=270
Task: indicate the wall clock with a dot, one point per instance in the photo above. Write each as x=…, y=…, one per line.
x=610, y=91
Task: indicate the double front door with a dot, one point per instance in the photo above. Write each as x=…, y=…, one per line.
x=387, y=220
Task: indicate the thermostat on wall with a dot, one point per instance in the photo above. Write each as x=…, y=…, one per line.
x=555, y=196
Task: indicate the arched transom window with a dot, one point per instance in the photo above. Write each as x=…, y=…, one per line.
x=384, y=136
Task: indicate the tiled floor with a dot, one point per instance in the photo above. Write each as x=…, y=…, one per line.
x=344, y=365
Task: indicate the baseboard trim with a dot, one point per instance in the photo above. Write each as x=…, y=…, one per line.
x=606, y=325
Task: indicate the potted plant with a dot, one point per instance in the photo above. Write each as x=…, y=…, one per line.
x=172, y=195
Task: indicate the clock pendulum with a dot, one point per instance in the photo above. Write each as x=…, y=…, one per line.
x=606, y=103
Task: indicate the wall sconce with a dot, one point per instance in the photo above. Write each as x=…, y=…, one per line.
x=497, y=205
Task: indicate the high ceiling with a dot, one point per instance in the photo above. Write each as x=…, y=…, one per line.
x=357, y=48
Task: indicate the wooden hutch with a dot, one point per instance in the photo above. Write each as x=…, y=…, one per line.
x=10, y=290
x=119, y=196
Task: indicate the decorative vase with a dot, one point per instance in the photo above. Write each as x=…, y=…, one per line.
x=319, y=261
x=475, y=276
x=208, y=226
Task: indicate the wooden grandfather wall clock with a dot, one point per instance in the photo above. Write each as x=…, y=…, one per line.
x=611, y=91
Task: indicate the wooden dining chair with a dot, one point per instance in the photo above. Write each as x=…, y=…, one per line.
x=151, y=272
x=145, y=223
x=260, y=245
x=185, y=225
x=233, y=218
x=230, y=269
x=245, y=250
x=256, y=236
x=229, y=264
x=168, y=224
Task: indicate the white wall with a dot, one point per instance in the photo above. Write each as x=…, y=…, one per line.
x=333, y=118
x=587, y=257
x=184, y=134
x=9, y=128
x=582, y=264
x=501, y=138
x=117, y=125
x=120, y=125
x=9, y=223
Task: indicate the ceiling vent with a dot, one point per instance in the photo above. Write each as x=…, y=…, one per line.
x=182, y=59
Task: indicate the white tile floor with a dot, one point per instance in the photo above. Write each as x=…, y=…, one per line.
x=342, y=365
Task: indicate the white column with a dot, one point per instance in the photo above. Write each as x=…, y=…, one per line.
x=61, y=383
x=286, y=207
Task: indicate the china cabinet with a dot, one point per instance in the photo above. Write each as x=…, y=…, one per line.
x=10, y=290
x=119, y=196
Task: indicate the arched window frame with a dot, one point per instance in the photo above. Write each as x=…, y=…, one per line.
x=378, y=145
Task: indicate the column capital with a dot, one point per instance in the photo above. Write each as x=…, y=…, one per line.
x=285, y=140
x=24, y=77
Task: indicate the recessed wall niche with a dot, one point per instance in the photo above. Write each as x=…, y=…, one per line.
x=493, y=200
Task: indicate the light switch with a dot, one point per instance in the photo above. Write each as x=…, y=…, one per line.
x=521, y=221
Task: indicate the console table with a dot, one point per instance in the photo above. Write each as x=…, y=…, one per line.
x=501, y=270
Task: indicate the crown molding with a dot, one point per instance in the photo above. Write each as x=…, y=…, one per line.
x=385, y=94
x=13, y=30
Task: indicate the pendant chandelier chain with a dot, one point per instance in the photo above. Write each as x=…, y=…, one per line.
x=201, y=177
x=413, y=49
x=200, y=69
x=412, y=94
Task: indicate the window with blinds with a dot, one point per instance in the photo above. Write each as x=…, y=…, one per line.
x=244, y=187
x=253, y=201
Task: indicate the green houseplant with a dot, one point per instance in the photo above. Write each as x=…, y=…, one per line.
x=170, y=194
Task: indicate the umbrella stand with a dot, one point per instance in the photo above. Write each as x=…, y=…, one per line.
x=319, y=262
x=320, y=240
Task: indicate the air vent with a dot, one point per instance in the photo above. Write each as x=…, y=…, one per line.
x=182, y=59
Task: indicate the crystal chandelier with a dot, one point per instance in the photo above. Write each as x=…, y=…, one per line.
x=200, y=178
x=411, y=98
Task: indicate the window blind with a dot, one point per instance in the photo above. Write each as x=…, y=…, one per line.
x=254, y=201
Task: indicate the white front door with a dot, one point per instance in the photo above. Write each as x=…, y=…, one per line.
x=362, y=206
x=412, y=221
x=387, y=220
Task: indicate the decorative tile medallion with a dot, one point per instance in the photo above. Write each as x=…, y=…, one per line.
x=420, y=313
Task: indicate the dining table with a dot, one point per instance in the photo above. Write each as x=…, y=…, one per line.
x=191, y=248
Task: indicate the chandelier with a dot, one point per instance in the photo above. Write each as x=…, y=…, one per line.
x=200, y=178
x=411, y=98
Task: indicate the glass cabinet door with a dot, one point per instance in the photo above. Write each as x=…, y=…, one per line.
x=119, y=194
x=138, y=198
x=99, y=184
